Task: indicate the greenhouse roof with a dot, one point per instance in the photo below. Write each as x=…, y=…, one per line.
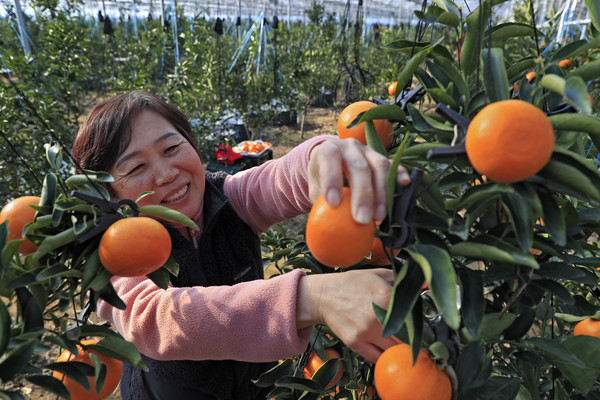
x=374, y=11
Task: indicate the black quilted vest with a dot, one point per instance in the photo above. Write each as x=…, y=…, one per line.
x=228, y=253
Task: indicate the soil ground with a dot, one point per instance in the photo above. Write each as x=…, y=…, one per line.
x=319, y=121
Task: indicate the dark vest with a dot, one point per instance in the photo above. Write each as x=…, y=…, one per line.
x=228, y=253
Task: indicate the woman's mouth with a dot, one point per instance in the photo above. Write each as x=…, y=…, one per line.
x=176, y=196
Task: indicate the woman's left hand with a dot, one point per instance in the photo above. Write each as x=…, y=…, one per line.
x=366, y=171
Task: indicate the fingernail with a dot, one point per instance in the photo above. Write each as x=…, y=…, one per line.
x=364, y=215
x=333, y=197
x=402, y=177
x=380, y=212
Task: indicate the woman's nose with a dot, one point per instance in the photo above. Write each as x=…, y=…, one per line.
x=165, y=173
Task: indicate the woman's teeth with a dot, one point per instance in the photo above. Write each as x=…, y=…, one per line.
x=176, y=196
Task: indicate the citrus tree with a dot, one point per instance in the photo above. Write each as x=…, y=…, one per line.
x=498, y=229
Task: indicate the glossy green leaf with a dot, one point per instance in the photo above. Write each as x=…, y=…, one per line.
x=76, y=370
x=49, y=384
x=472, y=365
x=472, y=308
x=16, y=360
x=493, y=249
x=49, y=190
x=494, y=325
x=502, y=32
x=302, y=384
x=579, y=123
x=575, y=48
x=411, y=66
x=557, y=270
x=587, y=350
x=327, y=372
x=55, y=271
x=268, y=378
x=168, y=214
x=520, y=215
x=517, y=70
x=448, y=5
x=441, y=278
x=570, y=177
x=554, y=221
x=495, y=77
x=588, y=71
x=476, y=23
x=381, y=111
x=5, y=325
x=373, y=139
x=160, y=277
x=54, y=156
x=452, y=73
x=406, y=290
x=426, y=123
x=594, y=11
x=477, y=193
x=30, y=310
x=120, y=349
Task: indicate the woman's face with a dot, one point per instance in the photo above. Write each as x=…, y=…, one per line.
x=161, y=160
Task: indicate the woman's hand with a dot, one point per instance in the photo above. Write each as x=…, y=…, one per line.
x=344, y=302
x=365, y=170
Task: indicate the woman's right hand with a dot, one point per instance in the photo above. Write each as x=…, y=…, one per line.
x=344, y=302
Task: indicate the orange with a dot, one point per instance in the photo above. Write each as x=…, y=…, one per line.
x=333, y=237
x=530, y=75
x=566, y=63
x=379, y=256
x=18, y=213
x=392, y=88
x=383, y=126
x=397, y=378
x=509, y=140
x=114, y=369
x=314, y=362
x=134, y=246
x=588, y=326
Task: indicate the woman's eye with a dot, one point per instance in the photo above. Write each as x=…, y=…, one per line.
x=135, y=169
x=171, y=149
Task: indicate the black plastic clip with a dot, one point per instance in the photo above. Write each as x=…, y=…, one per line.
x=109, y=212
x=405, y=198
x=438, y=331
x=405, y=97
x=457, y=150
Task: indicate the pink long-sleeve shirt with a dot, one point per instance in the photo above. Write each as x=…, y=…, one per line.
x=251, y=321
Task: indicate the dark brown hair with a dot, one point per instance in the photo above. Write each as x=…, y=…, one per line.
x=106, y=132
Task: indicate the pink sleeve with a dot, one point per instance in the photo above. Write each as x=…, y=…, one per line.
x=274, y=191
x=251, y=321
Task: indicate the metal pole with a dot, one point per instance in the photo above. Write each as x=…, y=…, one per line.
x=24, y=36
x=162, y=13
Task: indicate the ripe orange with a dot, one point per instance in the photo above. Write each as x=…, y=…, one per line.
x=19, y=213
x=566, y=63
x=530, y=75
x=314, y=362
x=383, y=126
x=509, y=140
x=114, y=369
x=397, y=378
x=134, y=246
x=392, y=88
x=588, y=326
x=379, y=256
x=334, y=237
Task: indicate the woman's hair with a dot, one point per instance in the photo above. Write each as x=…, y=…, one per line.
x=106, y=132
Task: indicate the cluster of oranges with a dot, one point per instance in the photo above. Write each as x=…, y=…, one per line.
x=253, y=146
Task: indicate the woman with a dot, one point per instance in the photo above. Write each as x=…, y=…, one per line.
x=220, y=324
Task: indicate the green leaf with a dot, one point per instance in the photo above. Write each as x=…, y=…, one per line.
x=472, y=365
x=160, y=277
x=575, y=48
x=325, y=374
x=570, y=177
x=120, y=349
x=472, y=307
x=426, y=123
x=577, y=94
x=54, y=156
x=49, y=384
x=477, y=193
x=168, y=214
x=588, y=71
x=495, y=77
x=411, y=65
x=49, y=191
x=302, y=384
x=16, y=360
x=489, y=248
x=405, y=292
x=470, y=52
x=594, y=11
x=76, y=370
x=554, y=221
x=521, y=218
x=441, y=278
x=587, y=350
x=578, y=123
x=449, y=69
x=5, y=325
x=373, y=139
x=502, y=32
x=381, y=111
x=493, y=326
x=268, y=378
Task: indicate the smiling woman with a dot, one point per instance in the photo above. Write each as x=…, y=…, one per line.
x=220, y=324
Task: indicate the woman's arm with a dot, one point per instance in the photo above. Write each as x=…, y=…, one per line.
x=251, y=321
